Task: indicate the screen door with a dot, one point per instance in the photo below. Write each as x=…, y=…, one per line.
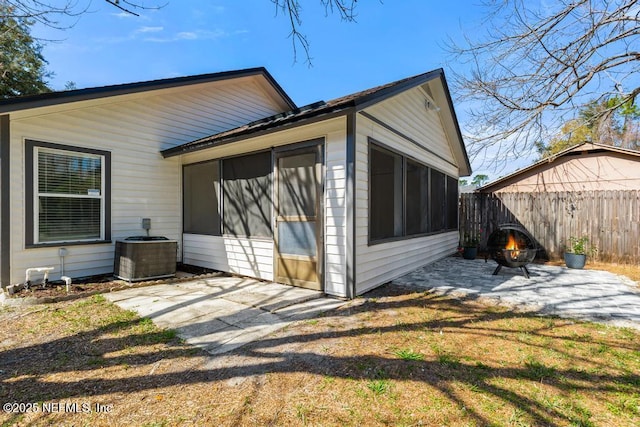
x=298, y=220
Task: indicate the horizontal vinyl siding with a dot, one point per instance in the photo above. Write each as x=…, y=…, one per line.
x=335, y=216
x=249, y=257
x=406, y=113
x=384, y=262
x=79, y=261
x=144, y=185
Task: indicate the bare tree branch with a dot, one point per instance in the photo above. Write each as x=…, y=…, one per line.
x=293, y=9
x=116, y=3
x=56, y=14
x=537, y=66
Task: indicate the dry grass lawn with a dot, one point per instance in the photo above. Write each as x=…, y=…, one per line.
x=395, y=357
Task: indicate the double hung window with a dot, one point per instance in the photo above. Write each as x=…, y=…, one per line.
x=67, y=194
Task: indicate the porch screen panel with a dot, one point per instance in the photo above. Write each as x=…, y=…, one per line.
x=417, y=204
x=437, y=201
x=297, y=185
x=452, y=203
x=385, y=179
x=201, y=196
x=247, y=195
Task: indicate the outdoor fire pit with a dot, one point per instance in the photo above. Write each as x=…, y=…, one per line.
x=511, y=246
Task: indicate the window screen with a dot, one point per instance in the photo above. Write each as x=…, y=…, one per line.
x=452, y=203
x=201, y=190
x=438, y=202
x=297, y=185
x=417, y=204
x=417, y=201
x=66, y=194
x=247, y=200
x=385, y=179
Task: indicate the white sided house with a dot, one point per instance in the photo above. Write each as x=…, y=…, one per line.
x=339, y=196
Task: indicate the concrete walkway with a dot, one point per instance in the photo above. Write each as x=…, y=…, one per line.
x=580, y=294
x=220, y=314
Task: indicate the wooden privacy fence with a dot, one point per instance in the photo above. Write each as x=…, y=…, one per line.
x=610, y=219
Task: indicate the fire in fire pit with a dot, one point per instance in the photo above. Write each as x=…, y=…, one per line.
x=511, y=246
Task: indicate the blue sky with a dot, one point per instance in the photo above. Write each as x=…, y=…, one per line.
x=391, y=40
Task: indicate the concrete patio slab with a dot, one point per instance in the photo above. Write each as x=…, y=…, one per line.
x=223, y=313
x=580, y=294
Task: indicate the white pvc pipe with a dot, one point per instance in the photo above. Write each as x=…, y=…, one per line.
x=62, y=252
x=46, y=271
x=67, y=281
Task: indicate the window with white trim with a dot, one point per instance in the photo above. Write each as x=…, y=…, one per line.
x=69, y=194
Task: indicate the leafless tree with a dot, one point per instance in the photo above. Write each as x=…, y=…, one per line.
x=538, y=63
x=293, y=10
x=61, y=14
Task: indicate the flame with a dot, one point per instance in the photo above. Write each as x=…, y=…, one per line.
x=512, y=247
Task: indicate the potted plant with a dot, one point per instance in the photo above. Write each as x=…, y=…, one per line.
x=470, y=244
x=576, y=252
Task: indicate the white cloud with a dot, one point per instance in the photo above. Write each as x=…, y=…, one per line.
x=159, y=34
x=131, y=36
x=125, y=15
x=122, y=15
x=186, y=35
x=193, y=35
x=149, y=30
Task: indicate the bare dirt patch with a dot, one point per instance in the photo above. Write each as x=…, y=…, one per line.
x=57, y=291
x=395, y=356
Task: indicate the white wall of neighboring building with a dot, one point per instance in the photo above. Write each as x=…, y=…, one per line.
x=599, y=171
